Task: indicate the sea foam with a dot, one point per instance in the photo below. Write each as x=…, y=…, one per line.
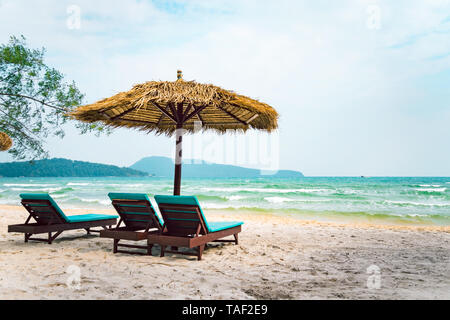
x=412, y=203
x=431, y=189
x=28, y=185
x=278, y=199
x=264, y=190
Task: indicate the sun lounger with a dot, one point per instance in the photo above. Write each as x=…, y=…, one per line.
x=51, y=219
x=139, y=219
x=185, y=226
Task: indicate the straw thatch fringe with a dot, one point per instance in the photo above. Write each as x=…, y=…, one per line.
x=137, y=108
x=5, y=142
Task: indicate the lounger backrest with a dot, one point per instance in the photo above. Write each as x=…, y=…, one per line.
x=136, y=211
x=43, y=208
x=182, y=215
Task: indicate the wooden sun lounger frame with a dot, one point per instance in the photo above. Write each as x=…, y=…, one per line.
x=189, y=236
x=132, y=233
x=50, y=221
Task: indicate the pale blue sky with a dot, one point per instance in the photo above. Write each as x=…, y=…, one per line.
x=362, y=87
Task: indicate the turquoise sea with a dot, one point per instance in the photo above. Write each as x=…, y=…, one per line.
x=391, y=200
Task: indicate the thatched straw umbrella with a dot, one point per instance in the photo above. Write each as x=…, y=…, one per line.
x=169, y=108
x=5, y=142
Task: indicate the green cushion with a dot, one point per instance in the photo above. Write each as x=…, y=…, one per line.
x=133, y=196
x=218, y=226
x=192, y=201
x=128, y=196
x=44, y=196
x=90, y=217
x=69, y=219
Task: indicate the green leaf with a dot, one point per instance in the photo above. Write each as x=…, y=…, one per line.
x=34, y=100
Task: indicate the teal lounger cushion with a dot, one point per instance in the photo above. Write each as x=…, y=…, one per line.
x=44, y=196
x=192, y=201
x=89, y=217
x=133, y=196
x=128, y=196
x=69, y=219
x=217, y=226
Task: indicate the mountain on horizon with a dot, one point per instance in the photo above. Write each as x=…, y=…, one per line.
x=64, y=168
x=164, y=167
x=153, y=166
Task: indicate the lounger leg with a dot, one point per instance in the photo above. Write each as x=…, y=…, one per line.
x=116, y=242
x=163, y=248
x=149, y=248
x=49, y=238
x=88, y=230
x=236, y=240
x=27, y=236
x=200, y=252
x=55, y=236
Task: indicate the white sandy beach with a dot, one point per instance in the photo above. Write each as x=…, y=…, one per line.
x=277, y=258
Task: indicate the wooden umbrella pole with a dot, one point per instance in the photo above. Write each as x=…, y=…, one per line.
x=178, y=150
x=178, y=160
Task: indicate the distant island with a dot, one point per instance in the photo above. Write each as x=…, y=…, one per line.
x=65, y=168
x=164, y=167
x=151, y=166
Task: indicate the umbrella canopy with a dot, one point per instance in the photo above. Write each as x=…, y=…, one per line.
x=169, y=108
x=5, y=142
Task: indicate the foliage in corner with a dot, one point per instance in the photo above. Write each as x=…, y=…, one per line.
x=34, y=100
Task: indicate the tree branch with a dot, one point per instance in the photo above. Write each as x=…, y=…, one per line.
x=22, y=127
x=34, y=99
